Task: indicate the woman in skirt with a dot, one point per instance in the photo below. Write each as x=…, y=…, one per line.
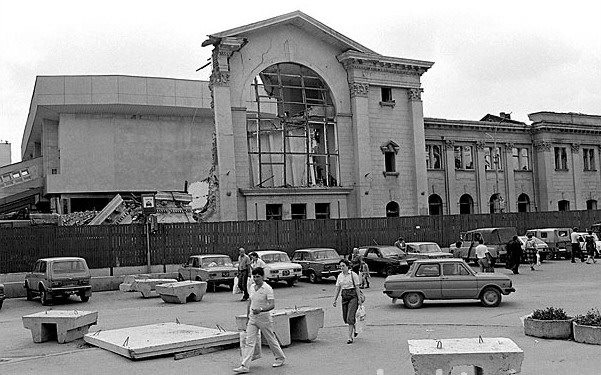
x=530, y=253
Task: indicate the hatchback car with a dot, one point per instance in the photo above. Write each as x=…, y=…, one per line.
x=425, y=250
x=279, y=267
x=215, y=269
x=58, y=277
x=384, y=260
x=318, y=263
x=445, y=279
x=495, y=240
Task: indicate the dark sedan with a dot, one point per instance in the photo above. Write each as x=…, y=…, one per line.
x=384, y=260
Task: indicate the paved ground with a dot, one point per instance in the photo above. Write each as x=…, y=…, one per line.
x=575, y=287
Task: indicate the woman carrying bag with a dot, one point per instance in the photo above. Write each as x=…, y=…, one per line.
x=348, y=283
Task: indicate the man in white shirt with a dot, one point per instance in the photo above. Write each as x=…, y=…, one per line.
x=259, y=318
x=483, y=255
x=576, y=250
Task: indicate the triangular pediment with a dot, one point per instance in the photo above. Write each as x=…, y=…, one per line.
x=390, y=146
x=299, y=19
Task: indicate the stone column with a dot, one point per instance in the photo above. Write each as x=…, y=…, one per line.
x=544, y=173
x=224, y=131
x=360, y=108
x=510, y=197
x=419, y=140
x=481, y=187
x=577, y=167
x=450, y=179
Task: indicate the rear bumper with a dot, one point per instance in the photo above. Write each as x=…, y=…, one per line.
x=86, y=289
x=506, y=291
x=282, y=278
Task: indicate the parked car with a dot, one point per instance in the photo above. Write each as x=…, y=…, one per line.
x=558, y=240
x=2, y=295
x=495, y=240
x=318, y=263
x=384, y=260
x=215, y=269
x=425, y=250
x=541, y=247
x=279, y=267
x=445, y=279
x=58, y=277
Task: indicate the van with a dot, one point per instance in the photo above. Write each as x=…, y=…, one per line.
x=494, y=238
x=558, y=240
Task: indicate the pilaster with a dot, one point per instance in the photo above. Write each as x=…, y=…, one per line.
x=577, y=168
x=481, y=178
x=419, y=140
x=544, y=170
x=450, y=179
x=510, y=195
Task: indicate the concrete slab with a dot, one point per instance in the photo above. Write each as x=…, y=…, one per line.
x=148, y=286
x=490, y=356
x=182, y=291
x=298, y=324
x=64, y=325
x=160, y=339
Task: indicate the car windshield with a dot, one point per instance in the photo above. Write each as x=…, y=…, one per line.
x=390, y=251
x=326, y=254
x=429, y=248
x=498, y=236
x=277, y=257
x=68, y=266
x=217, y=262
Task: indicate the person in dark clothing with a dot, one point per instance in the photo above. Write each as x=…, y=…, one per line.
x=591, y=247
x=356, y=260
x=514, y=254
x=243, y=272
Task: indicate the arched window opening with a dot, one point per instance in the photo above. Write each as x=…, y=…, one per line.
x=591, y=204
x=523, y=203
x=466, y=204
x=496, y=203
x=435, y=204
x=392, y=209
x=291, y=127
x=563, y=205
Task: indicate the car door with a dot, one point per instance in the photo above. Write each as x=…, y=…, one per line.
x=458, y=282
x=427, y=278
x=301, y=257
x=195, y=271
x=185, y=271
x=374, y=260
x=35, y=276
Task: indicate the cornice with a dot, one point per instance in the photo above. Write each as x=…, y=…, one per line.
x=542, y=145
x=373, y=62
x=295, y=191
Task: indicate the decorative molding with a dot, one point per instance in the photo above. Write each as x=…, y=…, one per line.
x=415, y=95
x=542, y=145
x=390, y=146
x=219, y=78
x=382, y=64
x=575, y=147
x=298, y=191
x=449, y=142
x=359, y=89
x=480, y=145
x=509, y=146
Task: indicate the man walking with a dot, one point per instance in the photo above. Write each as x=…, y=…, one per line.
x=591, y=247
x=259, y=319
x=483, y=256
x=243, y=272
x=514, y=253
x=576, y=251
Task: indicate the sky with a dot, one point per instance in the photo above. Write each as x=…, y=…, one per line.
x=512, y=56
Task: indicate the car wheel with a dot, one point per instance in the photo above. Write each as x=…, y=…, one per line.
x=389, y=271
x=413, y=300
x=180, y=277
x=44, y=297
x=30, y=294
x=291, y=282
x=84, y=298
x=491, y=297
x=313, y=278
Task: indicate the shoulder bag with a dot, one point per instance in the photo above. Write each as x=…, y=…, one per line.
x=361, y=296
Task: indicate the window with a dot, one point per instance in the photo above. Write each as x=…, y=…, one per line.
x=54, y=171
x=463, y=157
x=298, y=211
x=466, y=204
x=322, y=210
x=591, y=204
x=392, y=209
x=387, y=95
x=291, y=129
x=428, y=270
x=493, y=159
x=496, y=203
x=389, y=161
x=563, y=205
x=433, y=159
x=454, y=269
x=435, y=204
x=523, y=203
x=588, y=156
x=561, y=159
x=273, y=212
x=521, y=159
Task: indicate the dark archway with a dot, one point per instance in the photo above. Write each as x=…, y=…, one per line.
x=591, y=204
x=495, y=203
x=466, y=204
x=563, y=205
x=435, y=204
x=523, y=203
x=392, y=209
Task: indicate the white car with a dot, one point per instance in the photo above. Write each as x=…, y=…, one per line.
x=279, y=267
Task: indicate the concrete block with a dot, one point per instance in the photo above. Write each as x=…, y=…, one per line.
x=148, y=286
x=300, y=324
x=490, y=356
x=182, y=291
x=62, y=325
x=104, y=283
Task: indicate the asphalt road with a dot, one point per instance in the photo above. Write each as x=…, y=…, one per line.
x=383, y=346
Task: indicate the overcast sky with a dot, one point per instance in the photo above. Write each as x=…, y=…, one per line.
x=514, y=56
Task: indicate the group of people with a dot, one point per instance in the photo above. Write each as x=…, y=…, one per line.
x=586, y=243
x=260, y=301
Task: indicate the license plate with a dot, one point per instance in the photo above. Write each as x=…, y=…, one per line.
x=286, y=273
x=225, y=274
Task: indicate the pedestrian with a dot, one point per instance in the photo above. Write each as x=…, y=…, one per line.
x=514, y=254
x=400, y=243
x=356, y=260
x=576, y=250
x=261, y=302
x=243, y=272
x=347, y=285
x=365, y=276
x=530, y=249
x=255, y=261
x=591, y=247
x=483, y=256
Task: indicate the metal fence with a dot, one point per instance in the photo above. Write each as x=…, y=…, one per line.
x=106, y=246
